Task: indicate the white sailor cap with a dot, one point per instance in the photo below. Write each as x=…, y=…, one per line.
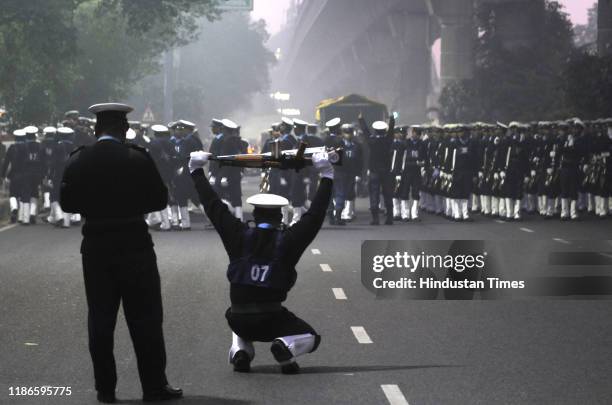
x=159, y=128
x=185, y=123
x=19, y=132
x=229, y=124
x=514, y=124
x=287, y=121
x=380, y=126
x=215, y=122
x=298, y=122
x=65, y=130
x=267, y=201
x=131, y=134
x=71, y=113
x=578, y=122
x=110, y=107
x=31, y=130
x=502, y=125
x=334, y=122
x=49, y=130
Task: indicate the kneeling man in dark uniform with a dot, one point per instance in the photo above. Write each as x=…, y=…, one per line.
x=261, y=272
x=113, y=184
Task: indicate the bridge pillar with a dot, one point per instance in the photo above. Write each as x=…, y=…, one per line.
x=415, y=67
x=457, y=33
x=604, y=27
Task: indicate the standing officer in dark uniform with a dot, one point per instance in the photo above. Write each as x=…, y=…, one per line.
x=12, y=170
x=335, y=140
x=298, y=183
x=314, y=140
x=231, y=176
x=413, y=160
x=113, y=185
x=353, y=166
x=216, y=127
x=397, y=153
x=262, y=268
x=379, y=166
x=33, y=171
x=162, y=152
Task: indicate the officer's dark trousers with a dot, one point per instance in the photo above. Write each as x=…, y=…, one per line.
x=267, y=326
x=410, y=184
x=381, y=182
x=298, y=189
x=131, y=278
x=569, y=177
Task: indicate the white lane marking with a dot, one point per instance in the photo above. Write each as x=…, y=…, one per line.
x=316, y=252
x=562, y=241
x=361, y=335
x=6, y=228
x=527, y=230
x=339, y=293
x=499, y=221
x=325, y=267
x=394, y=394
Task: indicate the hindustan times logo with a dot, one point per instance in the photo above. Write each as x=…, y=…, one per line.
x=412, y=263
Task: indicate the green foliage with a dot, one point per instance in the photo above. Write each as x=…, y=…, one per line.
x=216, y=74
x=63, y=54
x=588, y=85
x=523, y=82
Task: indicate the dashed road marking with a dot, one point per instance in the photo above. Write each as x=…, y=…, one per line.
x=499, y=221
x=394, y=394
x=339, y=293
x=562, y=241
x=316, y=251
x=361, y=335
x=325, y=267
x=527, y=230
x=6, y=228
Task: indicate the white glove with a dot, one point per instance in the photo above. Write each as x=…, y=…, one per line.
x=368, y=173
x=357, y=179
x=198, y=160
x=306, y=180
x=552, y=154
x=283, y=182
x=398, y=178
x=480, y=175
x=224, y=182
x=496, y=176
x=321, y=162
x=502, y=175
x=533, y=173
x=585, y=168
x=262, y=175
x=212, y=180
x=549, y=171
x=422, y=172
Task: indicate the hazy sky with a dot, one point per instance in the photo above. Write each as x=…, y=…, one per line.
x=274, y=11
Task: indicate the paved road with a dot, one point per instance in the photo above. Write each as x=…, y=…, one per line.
x=421, y=352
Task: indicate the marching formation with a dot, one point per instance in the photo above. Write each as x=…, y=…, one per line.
x=557, y=169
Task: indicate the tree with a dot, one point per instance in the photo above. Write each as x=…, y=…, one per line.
x=514, y=83
x=588, y=85
x=216, y=74
x=59, y=54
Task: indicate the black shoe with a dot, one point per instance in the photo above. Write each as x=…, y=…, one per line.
x=282, y=354
x=241, y=362
x=339, y=220
x=106, y=397
x=33, y=219
x=13, y=216
x=163, y=394
x=375, y=219
x=389, y=220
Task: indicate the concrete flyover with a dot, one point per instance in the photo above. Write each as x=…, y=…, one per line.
x=383, y=48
